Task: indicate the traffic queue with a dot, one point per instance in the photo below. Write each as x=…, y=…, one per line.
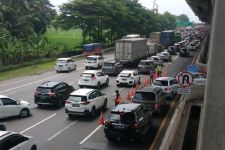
x=131, y=118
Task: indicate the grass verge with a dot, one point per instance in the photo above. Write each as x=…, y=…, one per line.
x=27, y=70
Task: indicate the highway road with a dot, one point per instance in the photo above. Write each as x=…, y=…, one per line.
x=53, y=130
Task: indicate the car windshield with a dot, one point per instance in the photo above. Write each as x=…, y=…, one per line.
x=160, y=83
x=91, y=58
x=77, y=98
x=43, y=90
x=125, y=75
x=61, y=61
x=108, y=65
x=148, y=96
x=87, y=75
x=125, y=118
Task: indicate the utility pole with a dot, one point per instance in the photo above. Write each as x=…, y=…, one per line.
x=155, y=7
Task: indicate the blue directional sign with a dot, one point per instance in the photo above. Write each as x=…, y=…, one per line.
x=193, y=68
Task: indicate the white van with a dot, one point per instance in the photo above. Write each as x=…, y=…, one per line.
x=65, y=64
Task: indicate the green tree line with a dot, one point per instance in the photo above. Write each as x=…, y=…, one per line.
x=108, y=20
x=22, y=22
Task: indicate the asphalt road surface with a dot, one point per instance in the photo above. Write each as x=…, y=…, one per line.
x=53, y=130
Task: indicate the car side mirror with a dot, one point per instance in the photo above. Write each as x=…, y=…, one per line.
x=18, y=103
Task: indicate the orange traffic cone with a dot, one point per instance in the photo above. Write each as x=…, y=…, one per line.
x=145, y=83
x=137, y=86
x=128, y=96
x=132, y=91
x=101, y=119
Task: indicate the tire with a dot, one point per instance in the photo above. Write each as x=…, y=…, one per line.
x=24, y=113
x=70, y=116
x=104, y=107
x=60, y=103
x=93, y=112
x=75, y=67
x=69, y=70
x=39, y=105
x=34, y=147
x=98, y=67
x=107, y=82
x=98, y=86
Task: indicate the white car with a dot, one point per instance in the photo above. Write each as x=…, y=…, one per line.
x=93, y=78
x=14, y=141
x=166, y=56
x=10, y=107
x=94, y=61
x=65, y=64
x=85, y=102
x=199, y=78
x=168, y=84
x=192, y=46
x=128, y=77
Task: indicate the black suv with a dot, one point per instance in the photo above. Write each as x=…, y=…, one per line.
x=128, y=121
x=112, y=67
x=151, y=97
x=52, y=93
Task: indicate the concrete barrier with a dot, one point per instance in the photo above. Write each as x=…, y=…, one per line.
x=172, y=128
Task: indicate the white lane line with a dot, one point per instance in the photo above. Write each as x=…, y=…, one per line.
x=37, y=124
x=58, y=133
x=85, y=139
x=17, y=87
x=13, y=82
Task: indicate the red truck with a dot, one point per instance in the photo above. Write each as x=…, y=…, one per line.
x=92, y=49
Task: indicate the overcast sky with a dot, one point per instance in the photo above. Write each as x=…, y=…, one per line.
x=175, y=7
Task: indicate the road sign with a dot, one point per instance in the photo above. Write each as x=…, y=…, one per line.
x=185, y=79
x=193, y=68
x=184, y=91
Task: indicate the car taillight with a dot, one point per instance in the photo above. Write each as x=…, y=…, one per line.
x=156, y=106
x=51, y=94
x=136, y=125
x=85, y=103
x=67, y=102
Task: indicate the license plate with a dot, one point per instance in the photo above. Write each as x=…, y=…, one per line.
x=75, y=105
x=86, y=80
x=119, y=127
x=124, y=79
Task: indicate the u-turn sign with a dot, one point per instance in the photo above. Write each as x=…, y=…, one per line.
x=185, y=79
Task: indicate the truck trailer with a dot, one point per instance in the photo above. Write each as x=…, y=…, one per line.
x=131, y=51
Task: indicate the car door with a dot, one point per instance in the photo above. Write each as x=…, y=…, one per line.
x=93, y=100
x=99, y=98
x=17, y=142
x=174, y=85
x=10, y=107
x=66, y=90
x=2, y=112
x=61, y=92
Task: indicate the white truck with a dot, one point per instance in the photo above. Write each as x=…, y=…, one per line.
x=153, y=43
x=131, y=51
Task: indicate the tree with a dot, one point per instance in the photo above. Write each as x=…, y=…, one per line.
x=183, y=17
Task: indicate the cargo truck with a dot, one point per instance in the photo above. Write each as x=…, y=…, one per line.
x=92, y=49
x=167, y=38
x=153, y=43
x=131, y=51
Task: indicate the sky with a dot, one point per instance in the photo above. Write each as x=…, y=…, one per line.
x=175, y=7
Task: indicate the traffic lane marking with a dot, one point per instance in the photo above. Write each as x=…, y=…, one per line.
x=40, y=122
x=162, y=126
x=62, y=130
x=87, y=137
